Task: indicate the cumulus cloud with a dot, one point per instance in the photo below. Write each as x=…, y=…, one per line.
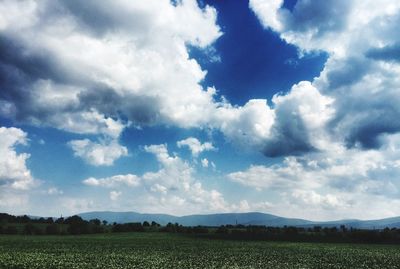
x=103, y=153
x=248, y=125
x=195, y=146
x=109, y=182
x=63, y=66
x=311, y=198
x=84, y=75
x=13, y=170
x=301, y=116
x=294, y=123
x=338, y=181
x=340, y=169
x=361, y=74
x=173, y=188
x=272, y=177
x=386, y=53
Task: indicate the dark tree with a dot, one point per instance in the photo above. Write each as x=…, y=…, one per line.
x=95, y=222
x=53, y=229
x=154, y=224
x=77, y=225
x=60, y=220
x=11, y=230
x=29, y=229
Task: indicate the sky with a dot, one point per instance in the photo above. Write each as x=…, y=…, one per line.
x=192, y=107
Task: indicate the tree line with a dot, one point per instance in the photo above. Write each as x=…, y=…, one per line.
x=75, y=225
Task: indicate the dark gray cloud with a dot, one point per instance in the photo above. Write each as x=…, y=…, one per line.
x=388, y=53
x=293, y=132
x=36, y=64
x=142, y=110
x=319, y=16
x=364, y=110
x=290, y=137
x=20, y=69
x=107, y=17
x=72, y=63
x=347, y=72
x=362, y=120
x=365, y=91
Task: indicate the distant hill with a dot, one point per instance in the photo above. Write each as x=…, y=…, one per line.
x=251, y=218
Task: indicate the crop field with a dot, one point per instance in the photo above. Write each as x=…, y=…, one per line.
x=161, y=250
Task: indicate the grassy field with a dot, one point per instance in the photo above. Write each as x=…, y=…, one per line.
x=161, y=250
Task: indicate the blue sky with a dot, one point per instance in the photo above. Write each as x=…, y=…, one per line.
x=182, y=107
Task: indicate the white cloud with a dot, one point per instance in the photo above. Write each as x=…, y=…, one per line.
x=273, y=177
x=13, y=201
x=344, y=122
x=294, y=124
x=162, y=155
x=195, y=146
x=134, y=66
x=213, y=165
x=333, y=26
x=311, y=198
x=341, y=169
x=110, y=182
x=73, y=205
x=87, y=76
x=362, y=70
x=103, y=153
x=249, y=125
x=54, y=191
x=91, y=122
x=114, y=195
x=13, y=170
x=82, y=75
x=300, y=120
x=158, y=188
x=204, y=162
x=333, y=183
x=267, y=12
x=173, y=188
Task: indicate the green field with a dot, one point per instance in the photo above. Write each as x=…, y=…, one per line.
x=162, y=250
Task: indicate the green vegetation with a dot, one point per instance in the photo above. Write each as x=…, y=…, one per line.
x=168, y=250
x=75, y=225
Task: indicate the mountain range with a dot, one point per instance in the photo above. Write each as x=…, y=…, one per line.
x=250, y=218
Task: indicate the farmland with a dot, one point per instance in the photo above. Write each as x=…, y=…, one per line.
x=166, y=250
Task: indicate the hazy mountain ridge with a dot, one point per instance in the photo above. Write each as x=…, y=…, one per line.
x=250, y=218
